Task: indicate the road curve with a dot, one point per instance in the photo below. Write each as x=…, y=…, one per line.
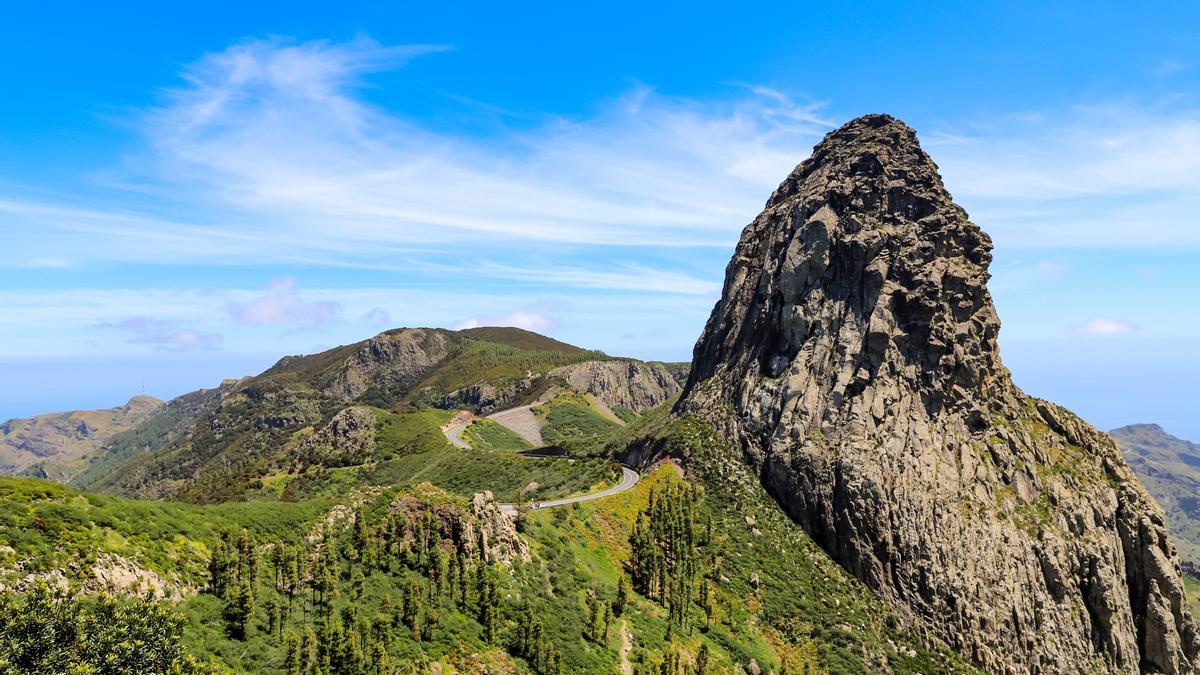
x=629, y=478
x=454, y=435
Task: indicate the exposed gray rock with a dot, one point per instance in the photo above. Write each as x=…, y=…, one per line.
x=853, y=358
x=392, y=359
x=497, y=532
x=348, y=438
x=487, y=398
x=620, y=383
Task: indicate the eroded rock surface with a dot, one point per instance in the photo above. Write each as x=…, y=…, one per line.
x=348, y=438
x=621, y=384
x=389, y=360
x=853, y=358
x=497, y=532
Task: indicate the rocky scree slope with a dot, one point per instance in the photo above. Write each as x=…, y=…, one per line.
x=853, y=358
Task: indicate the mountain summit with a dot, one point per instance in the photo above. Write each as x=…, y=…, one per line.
x=853, y=357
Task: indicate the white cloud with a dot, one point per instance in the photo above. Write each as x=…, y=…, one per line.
x=1101, y=325
x=282, y=305
x=270, y=147
x=528, y=320
x=165, y=334
x=1108, y=176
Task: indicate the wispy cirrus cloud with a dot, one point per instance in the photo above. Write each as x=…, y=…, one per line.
x=268, y=147
x=1111, y=175
x=47, y=263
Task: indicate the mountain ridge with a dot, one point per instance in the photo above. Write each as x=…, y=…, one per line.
x=58, y=445
x=1169, y=467
x=260, y=425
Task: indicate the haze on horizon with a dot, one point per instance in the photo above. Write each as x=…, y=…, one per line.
x=186, y=199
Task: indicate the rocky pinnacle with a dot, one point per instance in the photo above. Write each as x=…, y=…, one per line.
x=853, y=358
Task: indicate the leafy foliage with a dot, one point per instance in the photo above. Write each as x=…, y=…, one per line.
x=44, y=631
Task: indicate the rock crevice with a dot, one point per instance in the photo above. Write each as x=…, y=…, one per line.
x=853, y=357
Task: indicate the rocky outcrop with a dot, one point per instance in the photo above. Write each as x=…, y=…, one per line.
x=621, y=384
x=58, y=445
x=347, y=439
x=390, y=360
x=853, y=358
x=486, y=398
x=1170, y=469
x=496, y=533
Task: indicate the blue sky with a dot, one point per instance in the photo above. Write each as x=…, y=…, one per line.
x=188, y=193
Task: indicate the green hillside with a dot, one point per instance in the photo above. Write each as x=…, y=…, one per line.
x=222, y=444
x=697, y=574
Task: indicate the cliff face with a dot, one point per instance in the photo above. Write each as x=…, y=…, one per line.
x=634, y=385
x=1170, y=469
x=853, y=357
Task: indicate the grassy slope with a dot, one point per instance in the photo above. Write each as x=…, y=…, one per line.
x=570, y=421
x=1191, y=585
x=807, y=614
x=484, y=434
x=411, y=449
x=223, y=450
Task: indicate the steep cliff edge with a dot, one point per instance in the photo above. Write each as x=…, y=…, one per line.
x=853, y=358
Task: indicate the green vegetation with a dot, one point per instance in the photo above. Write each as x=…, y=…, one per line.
x=45, y=631
x=485, y=434
x=763, y=588
x=570, y=421
x=411, y=433
x=1191, y=586
x=698, y=575
x=496, y=363
x=234, y=443
x=48, y=526
x=147, y=437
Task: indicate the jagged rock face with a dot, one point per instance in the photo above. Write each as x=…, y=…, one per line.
x=853, y=357
x=486, y=398
x=391, y=359
x=621, y=384
x=497, y=532
x=347, y=439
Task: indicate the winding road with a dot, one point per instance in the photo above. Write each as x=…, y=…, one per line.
x=454, y=435
x=629, y=477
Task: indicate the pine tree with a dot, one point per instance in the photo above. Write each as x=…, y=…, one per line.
x=293, y=662
x=239, y=610
x=702, y=659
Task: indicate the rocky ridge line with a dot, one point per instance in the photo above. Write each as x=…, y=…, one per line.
x=853, y=357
